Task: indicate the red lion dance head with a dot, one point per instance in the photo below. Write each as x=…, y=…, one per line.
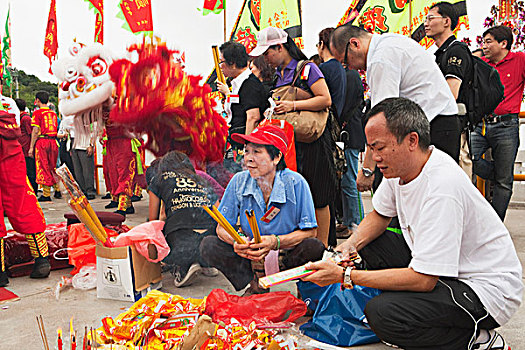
x=157, y=98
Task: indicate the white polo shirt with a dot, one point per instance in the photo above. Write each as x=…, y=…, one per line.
x=397, y=66
x=452, y=231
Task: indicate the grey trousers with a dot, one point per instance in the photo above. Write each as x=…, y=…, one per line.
x=84, y=166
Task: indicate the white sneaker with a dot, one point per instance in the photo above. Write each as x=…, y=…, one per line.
x=210, y=271
x=187, y=279
x=495, y=342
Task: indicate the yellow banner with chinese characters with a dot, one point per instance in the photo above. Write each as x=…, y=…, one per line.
x=398, y=16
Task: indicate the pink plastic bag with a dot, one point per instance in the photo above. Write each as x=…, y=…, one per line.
x=142, y=236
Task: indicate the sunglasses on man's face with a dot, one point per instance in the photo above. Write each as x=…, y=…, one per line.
x=345, y=62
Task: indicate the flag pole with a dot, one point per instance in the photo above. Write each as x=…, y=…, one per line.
x=224, y=18
x=410, y=15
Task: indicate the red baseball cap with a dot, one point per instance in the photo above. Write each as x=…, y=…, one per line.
x=265, y=135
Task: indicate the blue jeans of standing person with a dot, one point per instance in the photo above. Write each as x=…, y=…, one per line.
x=352, y=204
x=503, y=138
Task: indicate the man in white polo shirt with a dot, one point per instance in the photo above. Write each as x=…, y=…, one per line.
x=463, y=278
x=397, y=66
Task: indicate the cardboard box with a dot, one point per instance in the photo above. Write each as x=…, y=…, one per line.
x=124, y=274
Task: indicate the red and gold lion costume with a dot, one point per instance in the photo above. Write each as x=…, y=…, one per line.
x=157, y=98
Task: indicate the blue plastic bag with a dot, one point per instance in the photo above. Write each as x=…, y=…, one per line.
x=339, y=317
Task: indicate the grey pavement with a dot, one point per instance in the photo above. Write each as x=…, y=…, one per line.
x=18, y=327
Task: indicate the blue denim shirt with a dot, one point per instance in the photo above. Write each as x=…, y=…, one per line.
x=290, y=193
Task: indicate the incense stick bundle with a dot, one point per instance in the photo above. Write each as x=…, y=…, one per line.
x=221, y=220
x=82, y=208
x=252, y=221
x=216, y=60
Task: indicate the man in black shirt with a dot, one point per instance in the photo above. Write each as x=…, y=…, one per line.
x=454, y=60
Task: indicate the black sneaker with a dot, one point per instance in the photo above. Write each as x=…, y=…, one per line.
x=111, y=205
x=135, y=198
x=183, y=280
x=130, y=210
x=4, y=281
x=43, y=198
x=106, y=196
x=41, y=268
x=91, y=196
x=121, y=212
x=58, y=194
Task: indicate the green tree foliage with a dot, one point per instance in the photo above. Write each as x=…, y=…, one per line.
x=29, y=85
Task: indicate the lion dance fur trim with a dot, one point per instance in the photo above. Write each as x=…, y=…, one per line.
x=157, y=98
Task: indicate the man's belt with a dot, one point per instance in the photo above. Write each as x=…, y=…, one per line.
x=47, y=137
x=494, y=118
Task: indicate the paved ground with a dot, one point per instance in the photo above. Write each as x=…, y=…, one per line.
x=17, y=319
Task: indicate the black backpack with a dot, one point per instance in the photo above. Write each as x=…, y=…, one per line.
x=484, y=91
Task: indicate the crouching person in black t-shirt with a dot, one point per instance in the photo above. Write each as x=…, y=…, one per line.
x=178, y=193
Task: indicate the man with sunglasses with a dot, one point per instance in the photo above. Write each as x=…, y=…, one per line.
x=397, y=66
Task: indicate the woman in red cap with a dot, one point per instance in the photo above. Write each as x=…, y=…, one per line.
x=282, y=204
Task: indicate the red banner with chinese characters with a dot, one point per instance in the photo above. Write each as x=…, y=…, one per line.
x=98, y=6
x=137, y=14
x=50, y=43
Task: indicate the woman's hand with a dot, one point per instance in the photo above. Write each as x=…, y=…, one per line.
x=223, y=88
x=284, y=106
x=259, y=250
x=243, y=250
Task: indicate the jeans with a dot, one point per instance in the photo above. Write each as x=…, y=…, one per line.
x=352, y=204
x=503, y=138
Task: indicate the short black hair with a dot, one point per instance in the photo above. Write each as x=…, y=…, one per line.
x=403, y=116
x=446, y=9
x=21, y=104
x=43, y=96
x=501, y=33
x=234, y=52
x=274, y=153
x=341, y=35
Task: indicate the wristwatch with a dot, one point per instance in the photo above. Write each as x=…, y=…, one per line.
x=347, y=278
x=367, y=172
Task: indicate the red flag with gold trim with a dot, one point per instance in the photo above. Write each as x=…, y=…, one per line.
x=50, y=42
x=137, y=15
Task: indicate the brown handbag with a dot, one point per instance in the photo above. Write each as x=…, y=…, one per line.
x=308, y=125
